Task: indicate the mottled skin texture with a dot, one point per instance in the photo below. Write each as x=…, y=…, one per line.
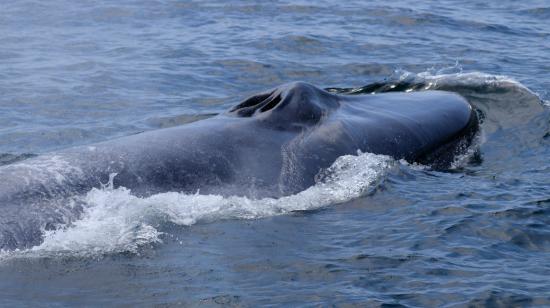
x=272, y=144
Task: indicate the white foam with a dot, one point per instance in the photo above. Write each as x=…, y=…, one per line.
x=434, y=79
x=115, y=220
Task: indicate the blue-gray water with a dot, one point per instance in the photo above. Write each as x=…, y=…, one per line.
x=77, y=72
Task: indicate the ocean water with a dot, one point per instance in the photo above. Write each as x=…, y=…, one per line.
x=377, y=232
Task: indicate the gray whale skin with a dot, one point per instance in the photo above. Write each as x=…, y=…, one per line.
x=270, y=145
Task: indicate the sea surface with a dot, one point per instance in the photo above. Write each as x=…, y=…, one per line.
x=380, y=233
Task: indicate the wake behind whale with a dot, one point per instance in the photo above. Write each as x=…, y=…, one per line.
x=275, y=144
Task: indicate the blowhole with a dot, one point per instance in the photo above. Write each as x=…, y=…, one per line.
x=262, y=102
x=271, y=103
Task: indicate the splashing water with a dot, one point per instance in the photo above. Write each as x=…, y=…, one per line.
x=115, y=220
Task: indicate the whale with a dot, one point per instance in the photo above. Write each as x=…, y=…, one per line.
x=272, y=144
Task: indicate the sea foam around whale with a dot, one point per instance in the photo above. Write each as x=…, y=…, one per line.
x=116, y=221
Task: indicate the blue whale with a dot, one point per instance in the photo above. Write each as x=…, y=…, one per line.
x=270, y=145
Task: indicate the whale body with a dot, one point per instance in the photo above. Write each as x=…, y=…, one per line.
x=272, y=144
